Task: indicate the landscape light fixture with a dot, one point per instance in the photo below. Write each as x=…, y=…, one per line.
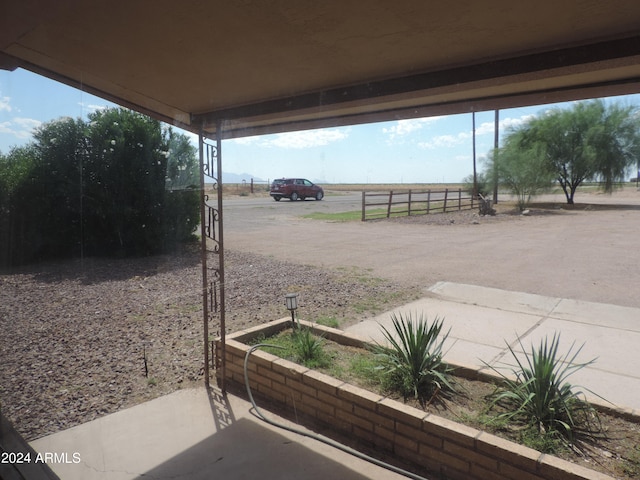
x=291, y=300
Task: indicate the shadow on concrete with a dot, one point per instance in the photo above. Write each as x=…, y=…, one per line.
x=247, y=449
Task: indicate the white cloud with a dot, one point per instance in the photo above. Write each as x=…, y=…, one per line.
x=29, y=123
x=446, y=141
x=407, y=126
x=485, y=128
x=92, y=107
x=297, y=140
x=21, y=128
x=5, y=104
x=509, y=122
x=5, y=127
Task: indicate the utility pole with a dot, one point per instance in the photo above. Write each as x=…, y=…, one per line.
x=475, y=175
x=496, y=135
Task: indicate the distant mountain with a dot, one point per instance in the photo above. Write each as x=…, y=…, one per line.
x=228, y=177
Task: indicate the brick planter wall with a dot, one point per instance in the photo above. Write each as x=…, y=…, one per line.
x=409, y=434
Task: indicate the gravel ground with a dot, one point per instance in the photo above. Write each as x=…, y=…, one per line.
x=84, y=339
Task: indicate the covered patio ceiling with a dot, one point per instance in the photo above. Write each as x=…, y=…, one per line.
x=263, y=66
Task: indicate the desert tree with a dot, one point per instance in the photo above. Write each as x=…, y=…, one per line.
x=98, y=187
x=588, y=142
x=524, y=171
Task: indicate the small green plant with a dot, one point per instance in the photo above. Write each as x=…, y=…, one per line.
x=546, y=442
x=331, y=322
x=300, y=345
x=307, y=345
x=541, y=398
x=412, y=363
x=631, y=464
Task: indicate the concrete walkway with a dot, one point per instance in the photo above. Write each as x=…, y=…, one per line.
x=484, y=320
x=191, y=435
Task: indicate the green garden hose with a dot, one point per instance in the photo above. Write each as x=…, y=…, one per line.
x=317, y=437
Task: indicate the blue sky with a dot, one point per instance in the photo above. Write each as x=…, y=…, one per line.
x=428, y=150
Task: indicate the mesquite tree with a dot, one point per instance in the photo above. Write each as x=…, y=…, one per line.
x=590, y=141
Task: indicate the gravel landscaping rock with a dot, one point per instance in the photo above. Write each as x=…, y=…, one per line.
x=82, y=339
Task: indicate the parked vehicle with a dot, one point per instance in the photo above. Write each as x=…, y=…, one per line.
x=295, y=189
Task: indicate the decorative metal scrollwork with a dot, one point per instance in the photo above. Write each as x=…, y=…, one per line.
x=210, y=160
x=211, y=226
x=212, y=242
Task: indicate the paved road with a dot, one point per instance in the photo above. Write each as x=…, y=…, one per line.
x=247, y=212
x=589, y=255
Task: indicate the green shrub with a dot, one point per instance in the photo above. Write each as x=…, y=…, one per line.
x=412, y=363
x=541, y=397
x=119, y=184
x=307, y=347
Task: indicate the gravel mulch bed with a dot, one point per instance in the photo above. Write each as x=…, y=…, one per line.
x=82, y=339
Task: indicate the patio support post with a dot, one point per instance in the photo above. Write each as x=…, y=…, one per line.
x=211, y=229
x=203, y=260
x=223, y=326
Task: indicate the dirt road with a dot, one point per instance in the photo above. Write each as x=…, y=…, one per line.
x=589, y=252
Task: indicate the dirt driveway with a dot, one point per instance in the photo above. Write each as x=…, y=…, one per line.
x=589, y=252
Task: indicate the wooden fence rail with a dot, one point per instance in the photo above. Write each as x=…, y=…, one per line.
x=377, y=205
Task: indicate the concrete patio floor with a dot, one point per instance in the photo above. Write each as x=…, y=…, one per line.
x=193, y=435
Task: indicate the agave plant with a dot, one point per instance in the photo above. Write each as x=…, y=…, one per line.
x=412, y=360
x=541, y=396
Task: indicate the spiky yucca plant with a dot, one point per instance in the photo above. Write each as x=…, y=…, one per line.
x=412, y=360
x=541, y=396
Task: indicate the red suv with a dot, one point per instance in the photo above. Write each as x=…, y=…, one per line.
x=294, y=189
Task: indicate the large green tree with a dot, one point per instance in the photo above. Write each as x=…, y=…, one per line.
x=588, y=142
x=124, y=180
x=117, y=184
x=524, y=171
x=17, y=189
